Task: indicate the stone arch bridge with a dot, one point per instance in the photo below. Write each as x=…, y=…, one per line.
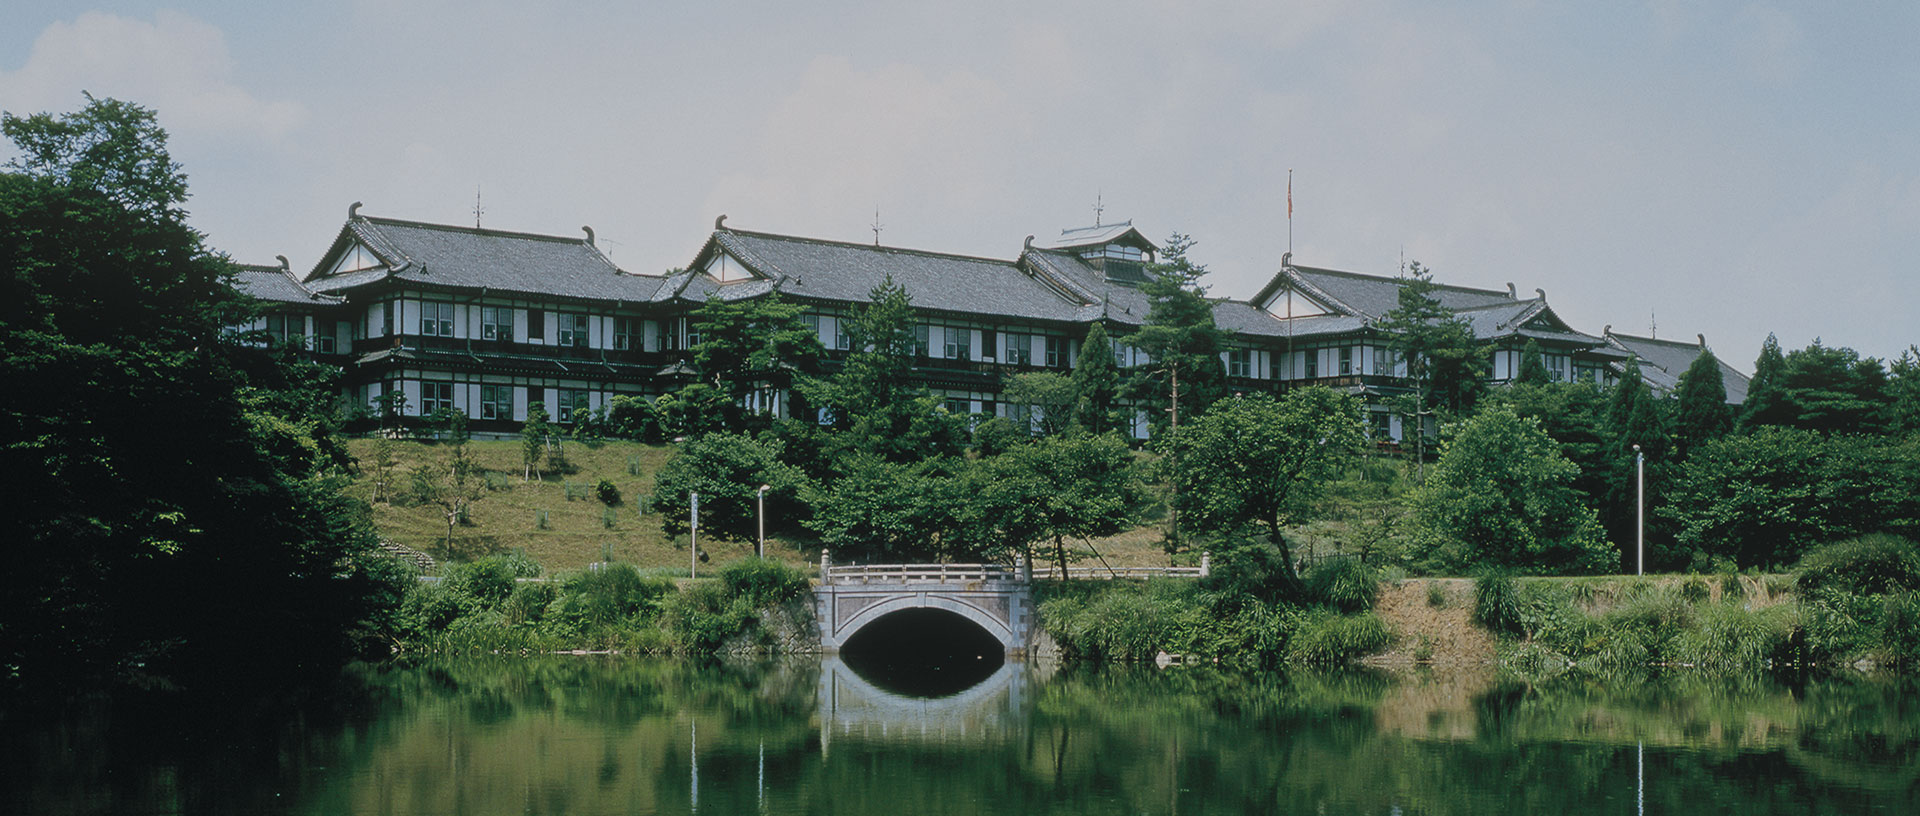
x=997, y=598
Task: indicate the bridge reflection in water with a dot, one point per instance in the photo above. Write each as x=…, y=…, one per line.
x=851, y=708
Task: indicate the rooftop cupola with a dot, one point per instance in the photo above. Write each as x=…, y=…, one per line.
x=1117, y=250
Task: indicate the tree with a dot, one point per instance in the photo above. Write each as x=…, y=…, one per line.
x=1183, y=344
x=727, y=470
x=1700, y=411
x=1533, y=366
x=1053, y=394
x=452, y=486
x=162, y=508
x=533, y=439
x=1835, y=390
x=1573, y=414
x=1096, y=383
x=897, y=511
x=1059, y=487
x=1502, y=495
x=115, y=148
x=1442, y=358
x=1763, y=499
x=754, y=345
x=1766, y=399
x=1903, y=393
x=874, y=398
x=1254, y=461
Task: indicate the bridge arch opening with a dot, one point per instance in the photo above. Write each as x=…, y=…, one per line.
x=923, y=652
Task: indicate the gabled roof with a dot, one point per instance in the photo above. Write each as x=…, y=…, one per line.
x=1523, y=318
x=1663, y=361
x=1102, y=235
x=848, y=272
x=1101, y=297
x=1369, y=296
x=473, y=257
x=276, y=284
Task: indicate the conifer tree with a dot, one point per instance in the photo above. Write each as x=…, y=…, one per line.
x=1700, y=410
x=1096, y=382
x=1766, y=402
x=1533, y=366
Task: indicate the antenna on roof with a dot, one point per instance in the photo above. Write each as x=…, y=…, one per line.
x=476, y=206
x=877, y=226
x=1099, y=206
x=1653, y=326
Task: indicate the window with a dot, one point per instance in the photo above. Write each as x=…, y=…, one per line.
x=989, y=345
x=536, y=326
x=693, y=334
x=571, y=400
x=957, y=342
x=436, y=319
x=280, y=327
x=1273, y=366
x=666, y=335
x=573, y=329
x=1383, y=361
x=1119, y=354
x=435, y=396
x=496, y=323
x=496, y=402
x=323, y=343
x=1382, y=426
x=624, y=329
x=958, y=406
x=1057, y=356
x=387, y=325
x=922, y=335
x=841, y=340
x=812, y=322
x=1020, y=349
x=1313, y=364
x=1240, y=363
x=1346, y=360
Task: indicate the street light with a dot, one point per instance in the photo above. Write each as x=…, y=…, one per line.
x=760, y=548
x=693, y=534
x=1640, y=492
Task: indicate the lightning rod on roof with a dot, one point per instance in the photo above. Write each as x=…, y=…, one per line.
x=1099, y=206
x=476, y=206
x=877, y=226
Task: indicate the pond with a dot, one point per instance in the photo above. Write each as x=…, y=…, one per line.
x=559, y=735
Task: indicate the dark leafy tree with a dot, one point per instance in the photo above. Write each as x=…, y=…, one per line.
x=1634, y=417
x=1502, y=495
x=1051, y=397
x=164, y=524
x=1573, y=414
x=1096, y=383
x=1835, y=390
x=727, y=470
x=893, y=511
x=875, y=400
x=1076, y=486
x=1255, y=462
x=1700, y=412
x=1765, y=498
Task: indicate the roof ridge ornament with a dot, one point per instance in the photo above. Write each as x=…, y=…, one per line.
x=589, y=231
x=720, y=223
x=1513, y=292
x=353, y=211
x=287, y=267
x=1028, y=247
x=1542, y=293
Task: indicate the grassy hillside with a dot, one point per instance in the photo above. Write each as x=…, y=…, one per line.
x=576, y=531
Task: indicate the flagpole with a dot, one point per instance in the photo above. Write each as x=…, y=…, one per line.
x=1289, y=210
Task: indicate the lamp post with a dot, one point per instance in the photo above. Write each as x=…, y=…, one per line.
x=1640, y=510
x=760, y=547
x=693, y=534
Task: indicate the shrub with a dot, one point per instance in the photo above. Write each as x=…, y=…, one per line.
x=763, y=582
x=487, y=581
x=1869, y=565
x=609, y=596
x=607, y=493
x=1436, y=594
x=1345, y=584
x=1694, y=590
x=528, y=604
x=704, y=616
x=1899, y=629
x=1252, y=569
x=1725, y=637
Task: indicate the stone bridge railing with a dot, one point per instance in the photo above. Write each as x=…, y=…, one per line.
x=831, y=573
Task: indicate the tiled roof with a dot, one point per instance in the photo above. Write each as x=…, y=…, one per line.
x=473, y=257
x=1663, y=361
x=276, y=284
x=848, y=272
x=1080, y=237
x=1374, y=295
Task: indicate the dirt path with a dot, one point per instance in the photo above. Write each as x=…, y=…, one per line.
x=1424, y=633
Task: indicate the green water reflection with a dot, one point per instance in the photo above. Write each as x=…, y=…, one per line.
x=576, y=735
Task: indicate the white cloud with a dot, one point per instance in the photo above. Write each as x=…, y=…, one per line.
x=175, y=64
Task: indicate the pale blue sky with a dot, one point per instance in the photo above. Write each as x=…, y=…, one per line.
x=1725, y=168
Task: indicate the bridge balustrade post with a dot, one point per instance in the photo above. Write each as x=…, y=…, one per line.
x=1206, y=563
x=826, y=567
x=1026, y=568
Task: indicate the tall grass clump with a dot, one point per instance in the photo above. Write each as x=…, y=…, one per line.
x=1325, y=637
x=1344, y=584
x=1858, y=598
x=1497, y=604
x=1875, y=564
